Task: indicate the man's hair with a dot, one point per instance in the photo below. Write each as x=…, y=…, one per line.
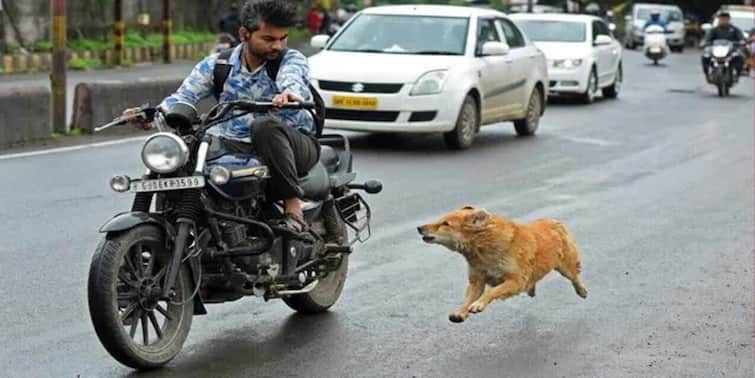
x=280, y=13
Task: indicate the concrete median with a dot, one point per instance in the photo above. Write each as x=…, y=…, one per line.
x=97, y=103
x=24, y=115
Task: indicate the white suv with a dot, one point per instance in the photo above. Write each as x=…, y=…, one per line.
x=430, y=69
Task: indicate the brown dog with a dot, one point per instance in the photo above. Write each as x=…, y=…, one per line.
x=509, y=257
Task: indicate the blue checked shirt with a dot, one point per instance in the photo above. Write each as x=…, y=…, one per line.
x=293, y=77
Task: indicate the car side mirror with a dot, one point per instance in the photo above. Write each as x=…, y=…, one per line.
x=602, y=40
x=319, y=41
x=495, y=48
x=706, y=27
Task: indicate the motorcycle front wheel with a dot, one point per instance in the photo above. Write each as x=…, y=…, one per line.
x=134, y=324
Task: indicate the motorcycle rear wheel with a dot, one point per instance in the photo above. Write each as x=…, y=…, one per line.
x=327, y=291
x=125, y=276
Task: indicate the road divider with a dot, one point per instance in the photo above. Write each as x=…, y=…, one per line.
x=96, y=103
x=24, y=115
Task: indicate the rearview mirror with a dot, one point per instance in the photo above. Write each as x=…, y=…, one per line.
x=495, y=48
x=319, y=41
x=603, y=40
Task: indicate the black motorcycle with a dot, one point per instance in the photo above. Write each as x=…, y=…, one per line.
x=721, y=73
x=201, y=231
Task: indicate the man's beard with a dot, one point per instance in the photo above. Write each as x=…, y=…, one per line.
x=265, y=55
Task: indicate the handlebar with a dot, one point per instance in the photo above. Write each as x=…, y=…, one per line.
x=148, y=114
x=218, y=113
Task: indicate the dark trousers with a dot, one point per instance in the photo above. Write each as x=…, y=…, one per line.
x=288, y=153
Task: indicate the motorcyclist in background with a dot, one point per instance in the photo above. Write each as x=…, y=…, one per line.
x=724, y=30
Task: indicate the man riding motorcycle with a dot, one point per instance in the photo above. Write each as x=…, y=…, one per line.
x=724, y=30
x=284, y=141
x=655, y=19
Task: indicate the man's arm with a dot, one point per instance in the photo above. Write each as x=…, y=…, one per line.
x=293, y=75
x=197, y=86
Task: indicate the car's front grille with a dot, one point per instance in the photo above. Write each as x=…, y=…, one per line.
x=361, y=115
x=355, y=87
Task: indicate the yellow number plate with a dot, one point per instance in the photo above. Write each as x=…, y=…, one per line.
x=361, y=103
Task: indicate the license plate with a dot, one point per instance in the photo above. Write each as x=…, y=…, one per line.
x=351, y=102
x=165, y=184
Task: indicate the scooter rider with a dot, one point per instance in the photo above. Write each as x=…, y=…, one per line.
x=724, y=30
x=655, y=19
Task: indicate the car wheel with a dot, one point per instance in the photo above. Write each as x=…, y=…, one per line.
x=613, y=90
x=467, y=125
x=592, y=88
x=529, y=124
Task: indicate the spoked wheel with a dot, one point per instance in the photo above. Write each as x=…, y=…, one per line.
x=136, y=325
x=328, y=289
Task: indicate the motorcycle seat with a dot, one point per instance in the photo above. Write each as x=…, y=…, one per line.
x=316, y=184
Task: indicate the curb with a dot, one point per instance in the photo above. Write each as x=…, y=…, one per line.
x=41, y=62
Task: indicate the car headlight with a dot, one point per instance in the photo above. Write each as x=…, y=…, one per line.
x=567, y=63
x=430, y=83
x=164, y=153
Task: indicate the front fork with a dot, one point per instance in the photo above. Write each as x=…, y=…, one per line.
x=190, y=208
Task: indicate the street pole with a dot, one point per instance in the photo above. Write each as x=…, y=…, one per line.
x=119, y=28
x=167, y=31
x=58, y=74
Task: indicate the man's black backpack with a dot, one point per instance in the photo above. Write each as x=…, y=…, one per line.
x=223, y=69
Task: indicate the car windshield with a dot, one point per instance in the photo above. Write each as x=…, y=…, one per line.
x=744, y=23
x=554, y=31
x=393, y=34
x=668, y=15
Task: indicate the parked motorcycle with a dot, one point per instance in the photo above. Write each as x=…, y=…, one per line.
x=655, y=47
x=201, y=231
x=721, y=72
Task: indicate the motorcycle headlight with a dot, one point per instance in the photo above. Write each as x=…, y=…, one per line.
x=430, y=83
x=164, y=153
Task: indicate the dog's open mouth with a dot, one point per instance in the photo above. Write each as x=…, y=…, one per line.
x=428, y=239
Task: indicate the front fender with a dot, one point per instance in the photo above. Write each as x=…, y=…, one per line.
x=129, y=220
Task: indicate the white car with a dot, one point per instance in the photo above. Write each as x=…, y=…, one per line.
x=583, y=57
x=430, y=69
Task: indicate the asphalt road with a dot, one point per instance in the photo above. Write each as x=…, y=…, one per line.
x=656, y=186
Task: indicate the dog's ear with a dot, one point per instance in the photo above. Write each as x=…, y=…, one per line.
x=479, y=218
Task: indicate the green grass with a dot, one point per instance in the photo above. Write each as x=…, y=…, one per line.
x=81, y=64
x=131, y=39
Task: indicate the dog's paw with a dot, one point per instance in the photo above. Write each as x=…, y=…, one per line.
x=477, y=306
x=582, y=292
x=457, y=318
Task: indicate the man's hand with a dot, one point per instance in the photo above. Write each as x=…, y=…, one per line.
x=285, y=98
x=136, y=121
